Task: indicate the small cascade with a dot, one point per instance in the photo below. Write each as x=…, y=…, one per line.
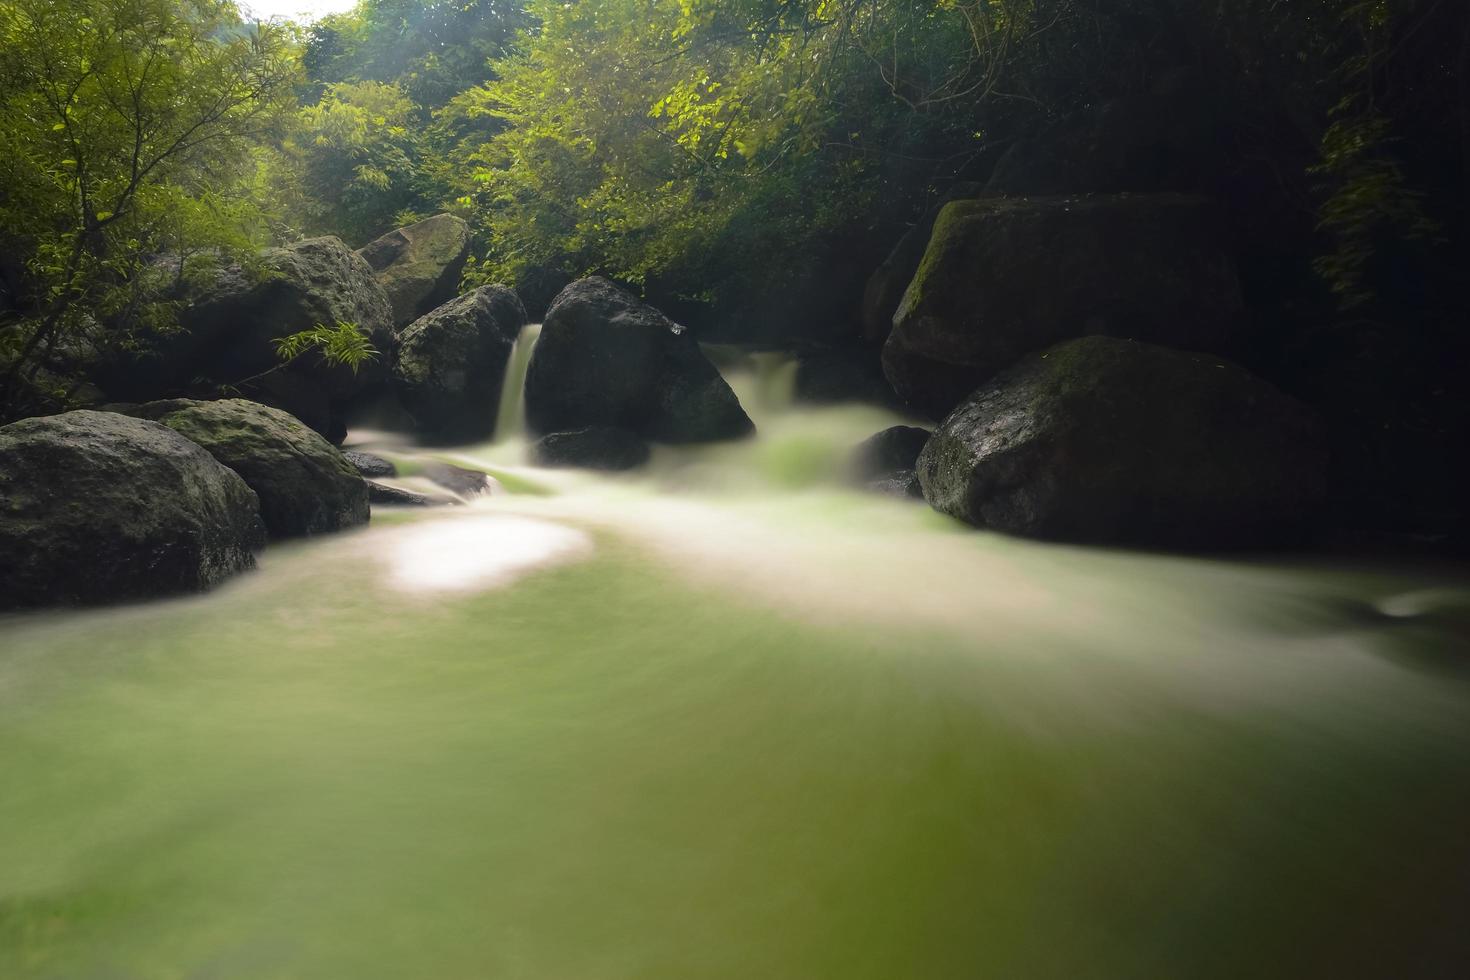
x=775, y=380
x=510, y=418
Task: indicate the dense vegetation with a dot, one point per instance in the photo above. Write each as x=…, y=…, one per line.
x=744, y=163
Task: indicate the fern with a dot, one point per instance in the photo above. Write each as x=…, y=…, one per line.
x=346, y=344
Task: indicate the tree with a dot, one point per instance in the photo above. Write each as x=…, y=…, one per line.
x=128, y=126
x=711, y=143
x=356, y=153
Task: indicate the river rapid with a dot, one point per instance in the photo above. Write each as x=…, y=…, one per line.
x=727, y=719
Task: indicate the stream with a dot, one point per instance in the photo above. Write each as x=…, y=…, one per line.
x=724, y=718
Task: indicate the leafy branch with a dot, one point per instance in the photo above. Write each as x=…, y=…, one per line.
x=346, y=344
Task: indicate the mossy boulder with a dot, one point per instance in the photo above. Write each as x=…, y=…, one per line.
x=1114, y=441
x=1003, y=278
x=450, y=366
x=886, y=286
x=99, y=507
x=606, y=358
x=305, y=485
x=419, y=265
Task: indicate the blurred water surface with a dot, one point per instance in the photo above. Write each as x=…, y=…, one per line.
x=726, y=719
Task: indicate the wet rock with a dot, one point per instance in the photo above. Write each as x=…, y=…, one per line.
x=592, y=448
x=305, y=485
x=1003, y=278
x=1119, y=442
x=607, y=359
x=419, y=265
x=903, y=483
x=381, y=493
x=369, y=464
x=450, y=365
x=99, y=507
x=458, y=480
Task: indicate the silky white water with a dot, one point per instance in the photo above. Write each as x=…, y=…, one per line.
x=724, y=718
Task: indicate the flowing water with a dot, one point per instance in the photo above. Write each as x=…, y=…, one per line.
x=725, y=719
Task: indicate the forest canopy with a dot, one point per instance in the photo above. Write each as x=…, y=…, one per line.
x=718, y=154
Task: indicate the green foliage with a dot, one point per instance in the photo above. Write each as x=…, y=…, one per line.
x=346, y=344
x=128, y=126
x=1367, y=200
x=1366, y=197
x=431, y=49
x=354, y=158
x=706, y=143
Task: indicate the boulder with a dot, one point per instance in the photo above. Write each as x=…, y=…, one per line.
x=607, y=359
x=369, y=464
x=1113, y=441
x=1002, y=278
x=227, y=337
x=100, y=507
x=450, y=365
x=419, y=265
x=596, y=447
x=305, y=485
x=888, y=282
x=230, y=335
x=297, y=393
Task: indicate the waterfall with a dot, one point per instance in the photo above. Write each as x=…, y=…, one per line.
x=510, y=418
x=775, y=380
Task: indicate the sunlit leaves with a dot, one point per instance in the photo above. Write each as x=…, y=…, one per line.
x=128, y=129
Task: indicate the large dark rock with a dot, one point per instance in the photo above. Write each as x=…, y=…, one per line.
x=888, y=282
x=305, y=484
x=419, y=265
x=597, y=447
x=228, y=337
x=96, y=507
x=1002, y=278
x=607, y=359
x=1114, y=441
x=450, y=366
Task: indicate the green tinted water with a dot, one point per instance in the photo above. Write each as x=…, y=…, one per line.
x=726, y=721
